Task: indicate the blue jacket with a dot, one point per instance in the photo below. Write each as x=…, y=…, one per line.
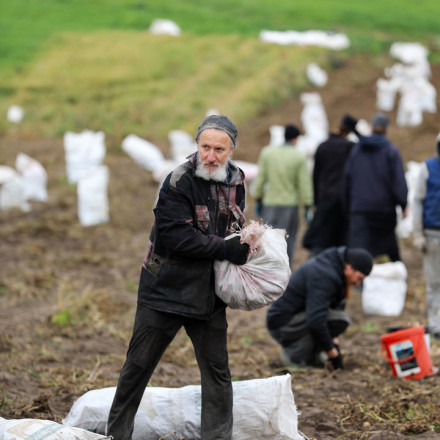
x=374, y=177
x=431, y=204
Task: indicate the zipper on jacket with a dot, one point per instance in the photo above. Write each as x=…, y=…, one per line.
x=217, y=206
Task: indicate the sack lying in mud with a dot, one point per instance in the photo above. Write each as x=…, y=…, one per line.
x=263, y=278
x=263, y=409
x=384, y=290
x=35, y=429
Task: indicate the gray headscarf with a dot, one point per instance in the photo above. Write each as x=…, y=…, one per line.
x=218, y=122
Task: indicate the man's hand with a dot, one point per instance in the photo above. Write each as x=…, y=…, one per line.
x=337, y=362
x=236, y=252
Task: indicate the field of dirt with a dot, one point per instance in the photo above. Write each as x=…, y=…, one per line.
x=68, y=293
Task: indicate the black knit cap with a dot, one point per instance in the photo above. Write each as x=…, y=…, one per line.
x=359, y=259
x=291, y=132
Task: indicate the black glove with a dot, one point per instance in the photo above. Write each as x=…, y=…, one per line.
x=236, y=252
x=337, y=362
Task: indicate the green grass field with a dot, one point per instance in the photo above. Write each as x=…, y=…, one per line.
x=76, y=64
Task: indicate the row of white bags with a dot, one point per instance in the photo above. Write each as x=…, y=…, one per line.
x=263, y=409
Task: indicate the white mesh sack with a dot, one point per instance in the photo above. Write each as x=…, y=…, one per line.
x=264, y=277
x=263, y=409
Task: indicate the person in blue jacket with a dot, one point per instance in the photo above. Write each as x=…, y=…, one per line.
x=426, y=233
x=374, y=185
x=309, y=317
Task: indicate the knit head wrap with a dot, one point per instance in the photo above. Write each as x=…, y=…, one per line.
x=218, y=122
x=359, y=259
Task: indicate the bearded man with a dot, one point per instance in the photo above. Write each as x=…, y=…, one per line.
x=199, y=204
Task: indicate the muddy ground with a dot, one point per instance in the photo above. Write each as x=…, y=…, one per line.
x=68, y=293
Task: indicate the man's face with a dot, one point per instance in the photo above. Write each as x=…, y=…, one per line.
x=353, y=276
x=214, y=147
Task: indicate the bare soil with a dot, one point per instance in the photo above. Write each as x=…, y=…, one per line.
x=68, y=293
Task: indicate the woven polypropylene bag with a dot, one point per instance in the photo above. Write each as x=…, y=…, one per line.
x=261, y=280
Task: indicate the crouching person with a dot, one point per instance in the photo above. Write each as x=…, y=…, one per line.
x=308, y=318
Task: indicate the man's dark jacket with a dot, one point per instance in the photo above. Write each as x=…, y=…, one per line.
x=316, y=286
x=192, y=216
x=330, y=158
x=374, y=177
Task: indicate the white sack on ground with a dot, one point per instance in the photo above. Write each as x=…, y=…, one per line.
x=313, y=117
x=384, y=290
x=404, y=226
x=330, y=40
x=36, y=429
x=277, y=135
x=15, y=114
x=317, y=76
x=34, y=178
x=263, y=409
x=92, y=197
x=162, y=26
x=144, y=153
x=250, y=169
x=264, y=277
x=182, y=145
x=83, y=151
x=412, y=54
x=11, y=190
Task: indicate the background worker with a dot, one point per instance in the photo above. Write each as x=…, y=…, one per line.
x=176, y=285
x=374, y=185
x=426, y=234
x=283, y=184
x=329, y=226
x=308, y=318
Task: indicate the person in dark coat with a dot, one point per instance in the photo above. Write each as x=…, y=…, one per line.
x=308, y=318
x=329, y=226
x=374, y=185
x=199, y=204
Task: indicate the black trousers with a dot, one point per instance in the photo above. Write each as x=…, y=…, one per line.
x=297, y=339
x=152, y=333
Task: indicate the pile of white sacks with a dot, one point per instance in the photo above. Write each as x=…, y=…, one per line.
x=408, y=78
x=27, y=182
x=263, y=409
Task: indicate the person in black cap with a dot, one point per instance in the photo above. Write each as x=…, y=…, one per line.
x=283, y=183
x=309, y=317
x=373, y=186
x=329, y=226
x=199, y=204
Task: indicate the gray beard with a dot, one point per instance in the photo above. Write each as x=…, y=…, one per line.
x=219, y=175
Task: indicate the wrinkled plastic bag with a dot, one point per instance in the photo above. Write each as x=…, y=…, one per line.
x=36, y=429
x=263, y=409
x=384, y=290
x=264, y=277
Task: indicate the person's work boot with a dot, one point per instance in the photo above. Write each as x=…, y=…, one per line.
x=287, y=362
